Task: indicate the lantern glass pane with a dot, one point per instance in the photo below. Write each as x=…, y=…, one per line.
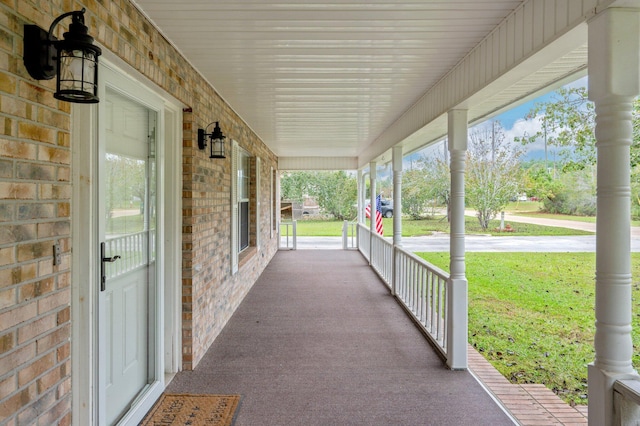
x=217, y=148
x=77, y=71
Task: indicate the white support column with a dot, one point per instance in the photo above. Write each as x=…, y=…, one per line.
x=396, y=159
x=457, y=287
x=362, y=190
x=372, y=206
x=614, y=81
x=397, y=195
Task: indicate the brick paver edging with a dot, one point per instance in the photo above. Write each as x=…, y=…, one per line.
x=528, y=404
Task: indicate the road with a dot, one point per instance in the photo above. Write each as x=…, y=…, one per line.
x=506, y=243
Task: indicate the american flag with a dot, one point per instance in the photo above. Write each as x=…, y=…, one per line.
x=367, y=212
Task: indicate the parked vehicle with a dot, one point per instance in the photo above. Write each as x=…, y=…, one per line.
x=386, y=208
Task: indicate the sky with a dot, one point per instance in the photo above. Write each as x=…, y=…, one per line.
x=515, y=125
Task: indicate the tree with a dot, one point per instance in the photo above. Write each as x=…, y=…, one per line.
x=439, y=178
x=573, y=193
x=493, y=172
x=538, y=181
x=425, y=186
x=567, y=122
x=335, y=192
x=414, y=192
x=295, y=186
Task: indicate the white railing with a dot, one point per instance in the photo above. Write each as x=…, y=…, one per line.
x=420, y=287
x=287, y=239
x=132, y=249
x=382, y=258
x=364, y=240
x=349, y=235
x=626, y=402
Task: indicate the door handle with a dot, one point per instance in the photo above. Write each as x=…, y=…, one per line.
x=103, y=261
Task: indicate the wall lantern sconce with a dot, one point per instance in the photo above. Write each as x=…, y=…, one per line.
x=74, y=59
x=216, y=140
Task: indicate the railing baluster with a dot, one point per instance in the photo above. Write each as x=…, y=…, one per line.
x=420, y=286
x=434, y=306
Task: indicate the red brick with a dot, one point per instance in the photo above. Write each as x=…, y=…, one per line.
x=54, y=229
x=63, y=316
x=17, y=191
x=36, y=328
x=54, y=118
x=59, y=411
x=7, y=83
x=7, y=342
x=19, y=357
x=54, y=155
x=17, y=149
x=33, y=410
x=18, y=315
x=15, y=403
x=17, y=233
x=30, y=251
x=54, y=301
x=36, y=369
x=55, y=192
x=16, y=107
x=36, y=132
x=7, y=298
x=64, y=210
x=50, y=379
x=64, y=352
x=7, y=386
x=35, y=171
x=36, y=211
x=38, y=94
x=53, y=339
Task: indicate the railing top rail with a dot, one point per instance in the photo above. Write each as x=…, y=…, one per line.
x=113, y=237
x=442, y=274
x=630, y=388
x=381, y=238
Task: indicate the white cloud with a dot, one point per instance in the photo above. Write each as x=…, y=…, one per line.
x=523, y=128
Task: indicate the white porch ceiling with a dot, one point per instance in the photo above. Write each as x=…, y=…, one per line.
x=325, y=79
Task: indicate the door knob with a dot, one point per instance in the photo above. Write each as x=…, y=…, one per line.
x=103, y=272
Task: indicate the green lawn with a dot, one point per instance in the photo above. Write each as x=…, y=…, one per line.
x=523, y=206
x=413, y=228
x=532, y=315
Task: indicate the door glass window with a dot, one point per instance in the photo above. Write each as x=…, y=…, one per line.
x=128, y=197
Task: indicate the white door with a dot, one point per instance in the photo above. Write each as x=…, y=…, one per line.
x=127, y=208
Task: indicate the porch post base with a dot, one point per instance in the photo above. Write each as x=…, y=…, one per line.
x=457, y=328
x=601, y=397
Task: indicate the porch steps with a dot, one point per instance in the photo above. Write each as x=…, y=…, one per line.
x=529, y=404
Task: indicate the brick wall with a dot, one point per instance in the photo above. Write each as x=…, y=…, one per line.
x=35, y=206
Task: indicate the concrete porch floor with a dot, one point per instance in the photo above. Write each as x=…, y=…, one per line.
x=320, y=341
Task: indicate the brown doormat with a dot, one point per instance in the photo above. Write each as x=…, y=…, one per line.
x=193, y=410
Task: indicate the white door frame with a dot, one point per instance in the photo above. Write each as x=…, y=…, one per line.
x=86, y=382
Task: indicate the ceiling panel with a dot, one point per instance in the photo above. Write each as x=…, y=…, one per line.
x=313, y=76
